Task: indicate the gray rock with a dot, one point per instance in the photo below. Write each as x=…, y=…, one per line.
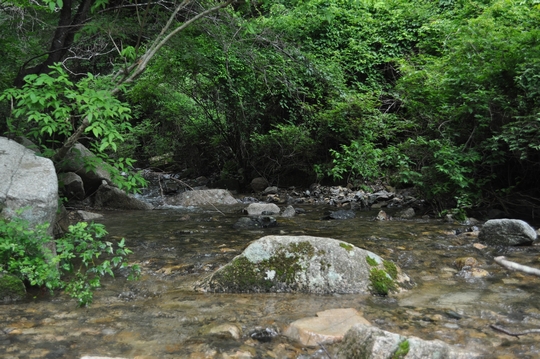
x=271, y=190
x=28, y=144
x=364, y=341
x=89, y=216
x=380, y=196
x=406, y=213
x=509, y=232
x=255, y=209
x=254, y=222
x=341, y=214
x=88, y=166
x=328, y=327
x=202, y=197
x=71, y=185
x=288, y=212
x=259, y=184
x=111, y=197
x=230, y=329
x=297, y=264
x=11, y=288
x=27, y=182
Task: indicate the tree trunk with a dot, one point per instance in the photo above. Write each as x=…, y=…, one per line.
x=68, y=25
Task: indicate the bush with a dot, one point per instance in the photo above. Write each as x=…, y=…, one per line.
x=26, y=253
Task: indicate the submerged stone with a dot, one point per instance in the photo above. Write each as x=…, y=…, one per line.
x=341, y=214
x=256, y=209
x=254, y=222
x=299, y=264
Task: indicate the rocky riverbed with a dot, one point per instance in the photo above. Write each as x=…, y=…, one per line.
x=459, y=291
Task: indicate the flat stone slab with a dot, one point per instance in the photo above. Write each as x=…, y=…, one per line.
x=328, y=327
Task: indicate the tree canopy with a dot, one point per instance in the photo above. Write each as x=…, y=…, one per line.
x=441, y=95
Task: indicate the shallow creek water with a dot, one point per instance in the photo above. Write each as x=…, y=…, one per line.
x=160, y=316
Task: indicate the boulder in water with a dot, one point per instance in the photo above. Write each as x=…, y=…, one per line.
x=254, y=222
x=113, y=197
x=341, y=214
x=304, y=264
x=255, y=209
x=507, y=232
x=365, y=341
x=202, y=197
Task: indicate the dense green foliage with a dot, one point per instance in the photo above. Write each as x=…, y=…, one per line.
x=77, y=264
x=443, y=96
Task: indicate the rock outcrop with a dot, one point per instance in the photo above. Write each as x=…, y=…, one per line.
x=27, y=182
x=507, y=232
x=303, y=264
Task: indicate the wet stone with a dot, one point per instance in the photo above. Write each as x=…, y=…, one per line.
x=328, y=327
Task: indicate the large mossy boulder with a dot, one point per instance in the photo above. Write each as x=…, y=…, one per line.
x=304, y=264
x=507, y=232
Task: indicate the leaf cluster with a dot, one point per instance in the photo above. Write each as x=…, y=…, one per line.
x=80, y=260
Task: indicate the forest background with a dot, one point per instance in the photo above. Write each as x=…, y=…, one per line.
x=440, y=95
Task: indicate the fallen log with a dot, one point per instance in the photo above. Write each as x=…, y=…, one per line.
x=516, y=266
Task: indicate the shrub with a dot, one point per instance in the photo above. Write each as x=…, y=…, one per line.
x=81, y=257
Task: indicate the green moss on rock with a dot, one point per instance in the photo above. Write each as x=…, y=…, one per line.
x=391, y=269
x=11, y=288
x=371, y=261
x=280, y=269
x=402, y=350
x=381, y=282
x=348, y=247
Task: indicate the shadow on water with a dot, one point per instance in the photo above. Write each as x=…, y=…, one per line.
x=160, y=316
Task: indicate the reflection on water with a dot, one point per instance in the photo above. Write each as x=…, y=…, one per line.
x=161, y=317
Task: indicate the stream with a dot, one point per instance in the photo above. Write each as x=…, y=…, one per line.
x=160, y=316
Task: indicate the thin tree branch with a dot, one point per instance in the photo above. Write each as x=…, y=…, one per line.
x=140, y=66
x=516, y=266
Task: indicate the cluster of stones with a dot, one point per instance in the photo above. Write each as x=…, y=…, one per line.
x=338, y=196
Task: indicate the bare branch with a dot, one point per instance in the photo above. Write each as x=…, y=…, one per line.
x=137, y=68
x=516, y=266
